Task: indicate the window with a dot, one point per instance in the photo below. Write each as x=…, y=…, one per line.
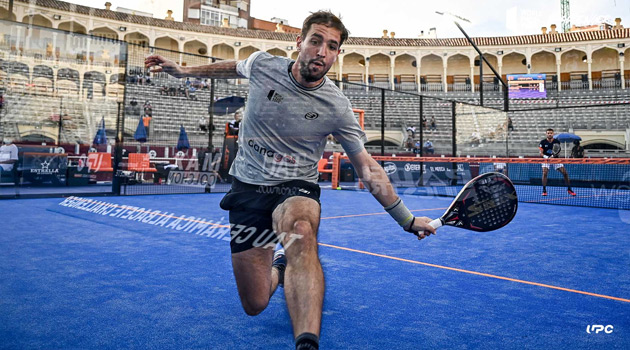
x=210, y=18
x=193, y=13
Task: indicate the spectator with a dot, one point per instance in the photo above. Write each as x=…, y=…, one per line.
x=148, y=109
x=205, y=85
x=203, y=124
x=475, y=138
x=433, y=126
x=234, y=125
x=191, y=93
x=8, y=157
x=510, y=126
x=409, y=141
x=146, y=120
x=577, y=151
x=411, y=131
x=183, y=90
x=187, y=83
x=134, y=108
x=131, y=77
x=164, y=90
x=172, y=89
x=428, y=147
x=1, y=102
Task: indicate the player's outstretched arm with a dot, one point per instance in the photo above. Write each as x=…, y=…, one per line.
x=377, y=182
x=217, y=70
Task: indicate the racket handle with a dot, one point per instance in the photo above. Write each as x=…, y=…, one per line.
x=436, y=223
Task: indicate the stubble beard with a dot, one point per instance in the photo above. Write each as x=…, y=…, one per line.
x=307, y=75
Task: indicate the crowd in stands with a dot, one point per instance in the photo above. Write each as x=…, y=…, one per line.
x=186, y=88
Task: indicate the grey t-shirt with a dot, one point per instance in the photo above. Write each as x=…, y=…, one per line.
x=284, y=128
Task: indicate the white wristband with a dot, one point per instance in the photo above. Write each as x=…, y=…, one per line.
x=399, y=212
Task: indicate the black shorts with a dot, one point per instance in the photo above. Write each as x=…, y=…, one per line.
x=251, y=206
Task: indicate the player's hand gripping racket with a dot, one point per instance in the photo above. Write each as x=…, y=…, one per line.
x=486, y=203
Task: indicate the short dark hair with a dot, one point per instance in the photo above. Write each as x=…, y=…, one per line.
x=550, y=129
x=329, y=20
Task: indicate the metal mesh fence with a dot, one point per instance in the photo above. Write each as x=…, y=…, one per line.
x=87, y=117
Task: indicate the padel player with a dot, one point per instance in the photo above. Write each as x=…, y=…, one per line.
x=292, y=107
x=546, y=151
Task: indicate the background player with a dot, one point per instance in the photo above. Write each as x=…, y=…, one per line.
x=546, y=151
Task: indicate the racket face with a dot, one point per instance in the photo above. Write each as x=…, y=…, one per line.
x=556, y=148
x=486, y=203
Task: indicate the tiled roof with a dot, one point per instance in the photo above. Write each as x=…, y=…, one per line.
x=257, y=34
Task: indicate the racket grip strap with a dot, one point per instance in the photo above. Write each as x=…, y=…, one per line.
x=436, y=223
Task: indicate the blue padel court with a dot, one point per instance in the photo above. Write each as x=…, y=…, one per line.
x=154, y=272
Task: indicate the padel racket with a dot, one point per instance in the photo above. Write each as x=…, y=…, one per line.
x=555, y=149
x=486, y=203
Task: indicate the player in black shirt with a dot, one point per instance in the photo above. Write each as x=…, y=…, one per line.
x=546, y=151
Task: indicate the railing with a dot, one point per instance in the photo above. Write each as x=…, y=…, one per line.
x=607, y=84
x=458, y=87
x=407, y=86
x=432, y=87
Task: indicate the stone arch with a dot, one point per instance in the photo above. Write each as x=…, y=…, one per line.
x=404, y=64
x=137, y=38
x=543, y=62
x=379, y=64
x=589, y=144
x=4, y=12
x=573, y=61
x=277, y=52
x=431, y=71
x=37, y=20
x=246, y=52
x=458, y=64
x=605, y=59
x=223, y=51
x=195, y=47
x=105, y=32
x=513, y=63
x=72, y=26
x=353, y=67
x=170, y=47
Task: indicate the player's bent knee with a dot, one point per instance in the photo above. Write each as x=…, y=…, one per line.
x=303, y=227
x=254, y=306
x=303, y=240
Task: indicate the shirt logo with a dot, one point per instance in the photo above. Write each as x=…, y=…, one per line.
x=274, y=96
x=311, y=115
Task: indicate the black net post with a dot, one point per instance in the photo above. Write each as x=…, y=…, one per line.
x=382, y=123
x=506, y=109
x=453, y=129
x=60, y=124
x=118, y=149
x=480, y=80
x=211, y=119
x=421, y=125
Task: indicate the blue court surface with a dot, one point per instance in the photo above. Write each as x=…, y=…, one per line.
x=154, y=272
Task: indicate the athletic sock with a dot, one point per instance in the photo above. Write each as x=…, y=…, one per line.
x=544, y=188
x=307, y=341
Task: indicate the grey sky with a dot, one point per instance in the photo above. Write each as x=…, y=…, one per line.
x=408, y=17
